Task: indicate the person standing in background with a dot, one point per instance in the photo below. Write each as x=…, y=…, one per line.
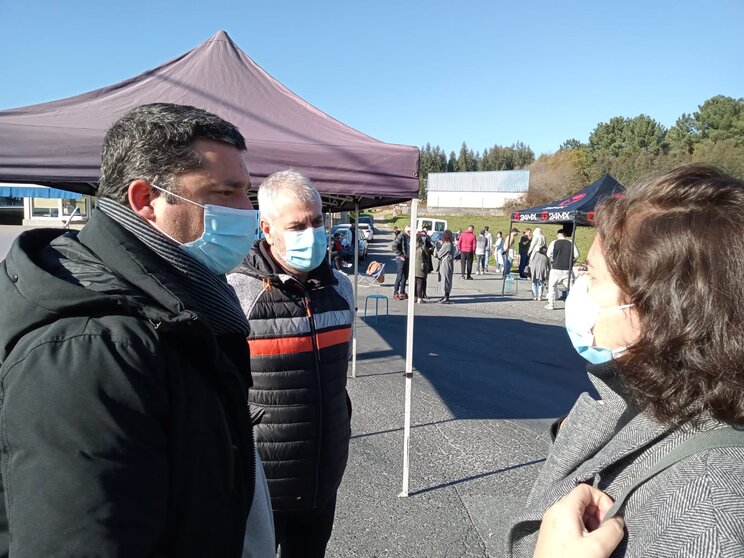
x=481, y=253
x=489, y=246
x=466, y=245
x=537, y=242
x=402, y=250
x=508, y=251
x=446, y=264
x=561, y=258
x=423, y=264
x=498, y=252
x=524, y=250
x=540, y=271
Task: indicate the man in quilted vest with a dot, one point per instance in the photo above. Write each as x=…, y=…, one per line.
x=300, y=312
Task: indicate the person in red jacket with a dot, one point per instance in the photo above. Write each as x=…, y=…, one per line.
x=466, y=244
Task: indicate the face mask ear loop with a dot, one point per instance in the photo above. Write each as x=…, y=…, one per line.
x=177, y=196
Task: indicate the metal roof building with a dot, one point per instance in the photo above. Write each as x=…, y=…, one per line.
x=482, y=190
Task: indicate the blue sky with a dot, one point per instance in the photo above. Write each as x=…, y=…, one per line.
x=484, y=72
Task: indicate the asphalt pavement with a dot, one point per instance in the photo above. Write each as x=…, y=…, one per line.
x=491, y=372
x=490, y=375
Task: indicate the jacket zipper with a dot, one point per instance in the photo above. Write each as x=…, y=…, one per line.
x=316, y=352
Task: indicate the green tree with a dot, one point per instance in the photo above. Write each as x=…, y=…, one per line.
x=643, y=133
x=570, y=144
x=682, y=137
x=608, y=139
x=721, y=118
x=452, y=162
x=727, y=154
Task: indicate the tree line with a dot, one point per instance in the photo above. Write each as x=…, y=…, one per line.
x=627, y=148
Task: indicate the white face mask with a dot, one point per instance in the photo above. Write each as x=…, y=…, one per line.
x=581, y=316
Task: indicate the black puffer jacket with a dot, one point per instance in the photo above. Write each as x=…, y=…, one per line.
x=124, y=423
x=299, y=341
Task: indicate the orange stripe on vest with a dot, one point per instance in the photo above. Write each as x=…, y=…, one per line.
x=335, y=337
x=295, y=345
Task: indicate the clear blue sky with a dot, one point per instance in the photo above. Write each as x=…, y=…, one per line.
x=485, y=72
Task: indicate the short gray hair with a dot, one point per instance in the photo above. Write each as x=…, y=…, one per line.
x=290, y=181
x=155, y=143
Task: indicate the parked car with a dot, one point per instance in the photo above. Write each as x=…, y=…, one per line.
x=365, y=230
x=436, y=238
x=345, y=231
x=367, y=219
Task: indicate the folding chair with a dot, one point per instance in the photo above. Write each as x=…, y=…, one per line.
x=375, y=275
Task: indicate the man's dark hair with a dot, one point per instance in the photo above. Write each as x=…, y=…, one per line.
x=686, y=290
x=155, y=143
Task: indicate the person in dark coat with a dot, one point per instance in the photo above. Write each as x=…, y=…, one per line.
x=301, y=313
x=424, y=249
x=125, y=423
x=402, y=250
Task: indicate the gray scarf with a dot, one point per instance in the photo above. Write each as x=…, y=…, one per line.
x=212, y=294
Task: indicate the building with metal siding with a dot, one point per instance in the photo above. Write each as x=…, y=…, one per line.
x=476, y=190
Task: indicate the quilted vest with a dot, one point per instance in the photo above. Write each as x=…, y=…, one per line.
x=299, y=346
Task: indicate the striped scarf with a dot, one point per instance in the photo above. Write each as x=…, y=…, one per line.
x=214, y=298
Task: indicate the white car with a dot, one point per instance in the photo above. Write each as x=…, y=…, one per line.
x=365, y=230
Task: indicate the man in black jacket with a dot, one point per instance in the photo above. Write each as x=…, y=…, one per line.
x=124, y=370
x=402, y=251
x=301, y=313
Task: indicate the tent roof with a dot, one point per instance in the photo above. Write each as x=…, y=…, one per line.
x=579, y=207
x=59, y=143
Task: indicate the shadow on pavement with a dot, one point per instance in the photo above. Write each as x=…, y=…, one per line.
x=486, y=367
x=475, y=477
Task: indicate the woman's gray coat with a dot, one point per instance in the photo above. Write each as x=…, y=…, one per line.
x=694, y=508
x=446, y=266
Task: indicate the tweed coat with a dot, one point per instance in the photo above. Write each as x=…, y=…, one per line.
x=694, y=509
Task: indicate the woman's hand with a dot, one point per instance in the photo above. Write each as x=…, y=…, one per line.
x=571, y=527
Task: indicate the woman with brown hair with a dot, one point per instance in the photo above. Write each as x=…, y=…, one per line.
x=659, y=316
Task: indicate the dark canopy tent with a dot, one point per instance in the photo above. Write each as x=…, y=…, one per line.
x=59, y=143
x=575, y=210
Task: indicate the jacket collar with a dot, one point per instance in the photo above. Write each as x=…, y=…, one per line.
x=261, y=264
x=120, y=251
x=596, y=435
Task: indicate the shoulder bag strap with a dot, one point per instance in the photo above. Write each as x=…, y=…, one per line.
x=726, y=437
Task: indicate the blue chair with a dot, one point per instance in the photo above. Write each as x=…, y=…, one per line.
x=377, y=298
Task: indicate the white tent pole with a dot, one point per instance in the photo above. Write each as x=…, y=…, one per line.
x=356, y=290
x=409, y=346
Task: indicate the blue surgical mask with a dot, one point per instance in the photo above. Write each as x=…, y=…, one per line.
x=305, y=249
x=227, y=237
x=581, y=316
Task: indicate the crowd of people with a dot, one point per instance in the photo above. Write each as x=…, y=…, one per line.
x=546, y=265
x=173, y=386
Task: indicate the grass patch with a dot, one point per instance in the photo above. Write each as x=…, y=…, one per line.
x=584, y=235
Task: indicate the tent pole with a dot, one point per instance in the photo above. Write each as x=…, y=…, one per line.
x=503, y=275
x=409, y=349
x=356, y=290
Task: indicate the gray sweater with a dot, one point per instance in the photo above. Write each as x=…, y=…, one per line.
x=693, y=509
